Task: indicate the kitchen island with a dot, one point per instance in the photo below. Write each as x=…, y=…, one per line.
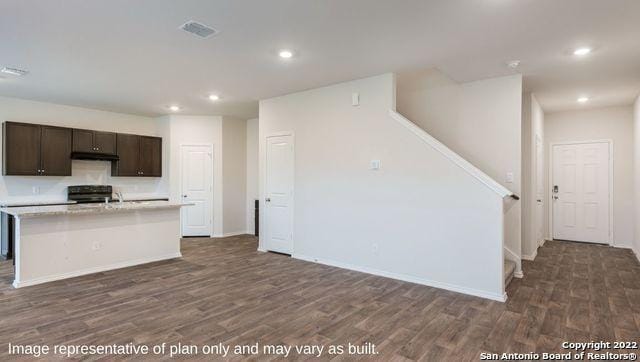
x=64, y=241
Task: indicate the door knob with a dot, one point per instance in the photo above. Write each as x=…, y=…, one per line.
x=555, y=197
x=267, y=199
x=184, y=195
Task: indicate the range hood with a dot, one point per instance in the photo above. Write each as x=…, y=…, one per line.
x=94, y=156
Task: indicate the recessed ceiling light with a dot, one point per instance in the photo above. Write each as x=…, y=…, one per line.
x=214, y=97
x=583, y=99
x=582, y=51
x=286, y=54
x=174, y=108
x=14, y=71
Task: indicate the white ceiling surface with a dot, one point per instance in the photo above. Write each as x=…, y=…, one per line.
x=129, y=56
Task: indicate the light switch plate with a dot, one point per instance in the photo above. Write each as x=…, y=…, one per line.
x=355, y=99
x=510, y=177
x=375, y=165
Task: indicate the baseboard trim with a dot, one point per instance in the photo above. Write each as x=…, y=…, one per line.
x=636, y=252
x=78, y=273
x=531, y=257
x=407, y=278
x=234, y=233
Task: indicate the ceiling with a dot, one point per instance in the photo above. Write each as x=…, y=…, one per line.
x=129, y=56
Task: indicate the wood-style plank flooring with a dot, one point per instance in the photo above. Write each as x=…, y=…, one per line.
x=224, y=291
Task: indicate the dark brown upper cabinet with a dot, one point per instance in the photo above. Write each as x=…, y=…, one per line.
x=39, y=150
x=35, y=150
x=94, y=141
x=55, y=151
x=140, y=156
x=128, y=150
x=150, y=156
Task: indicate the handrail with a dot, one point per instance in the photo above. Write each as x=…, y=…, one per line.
x=454, y=157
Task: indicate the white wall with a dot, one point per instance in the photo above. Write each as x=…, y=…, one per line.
x=481, y=121
x=252, y=172
x=419, y=218
x=53, y=189
x=197, y=130
x=614, y=123
x=234, y=175
x=532, y=127
x=636, y=145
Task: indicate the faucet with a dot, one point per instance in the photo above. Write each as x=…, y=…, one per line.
x=120, y=197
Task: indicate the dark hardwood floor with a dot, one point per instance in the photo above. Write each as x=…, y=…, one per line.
x=224, y=291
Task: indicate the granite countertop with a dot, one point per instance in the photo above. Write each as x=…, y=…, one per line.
x=75, y=209
x=35, y=203
x=67, y=202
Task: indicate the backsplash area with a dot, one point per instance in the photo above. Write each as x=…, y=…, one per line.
x=24, y=189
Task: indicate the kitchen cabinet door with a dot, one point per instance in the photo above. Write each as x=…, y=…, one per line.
x=104, y=142
x=128, y=147
x=55, y=151
x=21, y=149
x=150, y=156
x=82, y=140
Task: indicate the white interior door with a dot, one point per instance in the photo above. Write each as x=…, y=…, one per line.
x=197, y=189
x=580, y=191
x=539, y=190
x=279, y=194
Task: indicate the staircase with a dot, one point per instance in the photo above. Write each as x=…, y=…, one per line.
x=509, y=270
x=494, y=242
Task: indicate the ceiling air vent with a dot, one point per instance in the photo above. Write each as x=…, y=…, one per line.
x=198, y=29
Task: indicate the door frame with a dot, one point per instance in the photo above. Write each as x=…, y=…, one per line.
x=534, y=191
x=213, y=182
x=611, y=179
x=263, y=209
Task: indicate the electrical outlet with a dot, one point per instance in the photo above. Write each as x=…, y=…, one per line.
x=96, y=245
x=374, y=165
x=35, y=190
x=374, y=248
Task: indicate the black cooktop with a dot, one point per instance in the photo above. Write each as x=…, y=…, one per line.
x=89, y=193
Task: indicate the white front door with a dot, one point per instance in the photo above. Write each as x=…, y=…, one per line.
x=279, y=194
x=197, y=189
x=580, y=192
x=539, y=191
